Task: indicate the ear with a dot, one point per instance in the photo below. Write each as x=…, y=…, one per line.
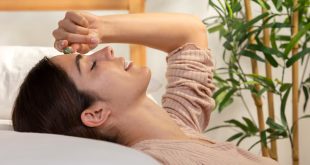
x=95, y=115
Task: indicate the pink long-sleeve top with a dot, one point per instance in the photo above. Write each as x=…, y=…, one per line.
x=188, y=100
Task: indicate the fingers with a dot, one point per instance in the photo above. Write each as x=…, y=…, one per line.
x=81, y=48
x=61, y=44
x=75, y=47
x=69, y=26
x=61, y=34
x=77, y=18
x=73, y=31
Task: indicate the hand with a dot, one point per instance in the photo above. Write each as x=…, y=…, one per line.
x=80, y=30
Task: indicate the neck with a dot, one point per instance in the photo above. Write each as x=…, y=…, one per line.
x=144, y=121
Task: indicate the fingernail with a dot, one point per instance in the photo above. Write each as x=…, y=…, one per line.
x=94, y=40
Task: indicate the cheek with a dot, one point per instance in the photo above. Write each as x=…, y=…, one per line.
x=109, y=85
x=118, y=85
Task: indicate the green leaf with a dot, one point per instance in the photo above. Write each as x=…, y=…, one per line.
x=229, y=37
x=234, y=82
x=276, y=130
x=236, y=7
x=278, y=4
x=262, y=91
x=283, y=106
x=227, y=103
x=288, y=3
x=263, y=81
x=215, y=28
x=235, y=136
x=267, y=52
x=229, y=10
x=237, y=124
x=219, y=91
x=219, y=79
x=277, y=25
x=296, y=39
x=242, y=37
x=285, y=86
x=263, y=138
x=283, y=38
x=283, y=46
x=219, y=11
x=215, y=6
x=274, y=125
x=253, y=145
x=251, y=55
x=300, y=118
x=207, y=19
x=256, y=19
x=223, y=7
x=241, y=139
x=297, y=56
x=307, y=80
x=271, y=60
x=250, y=23
x=305, y=116
x=250, y=82
x=263, y=4
x=227, y=99
x=252, y=127
x=227, y=45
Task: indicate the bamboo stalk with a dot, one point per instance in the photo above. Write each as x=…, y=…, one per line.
x=295, y=153
x=257, y=99
x=266, y=39
x=137, y=52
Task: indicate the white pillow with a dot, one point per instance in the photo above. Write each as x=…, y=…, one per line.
x=38, y=149
x=6, y=125
x=15, y=63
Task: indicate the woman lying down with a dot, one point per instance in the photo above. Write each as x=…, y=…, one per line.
x=99, y=97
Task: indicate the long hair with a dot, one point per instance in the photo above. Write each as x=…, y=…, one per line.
x=49, y=102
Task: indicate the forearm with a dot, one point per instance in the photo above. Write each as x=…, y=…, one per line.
x=160, y=31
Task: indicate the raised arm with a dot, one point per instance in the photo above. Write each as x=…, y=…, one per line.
x=188, y=97
x=157, y=30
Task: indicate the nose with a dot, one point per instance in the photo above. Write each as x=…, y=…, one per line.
x=105, y=53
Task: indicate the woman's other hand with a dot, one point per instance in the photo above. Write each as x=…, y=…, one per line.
x=79, y=30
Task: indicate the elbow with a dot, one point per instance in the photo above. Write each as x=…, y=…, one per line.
x=197, y=32
x=198, y=26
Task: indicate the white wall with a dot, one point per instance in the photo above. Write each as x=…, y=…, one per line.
x=35, y=28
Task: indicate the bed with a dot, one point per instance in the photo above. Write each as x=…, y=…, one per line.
x=16, y=61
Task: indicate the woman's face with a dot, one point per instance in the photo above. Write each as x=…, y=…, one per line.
x=105, y=76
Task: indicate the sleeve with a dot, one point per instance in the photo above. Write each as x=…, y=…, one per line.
x=188, y=98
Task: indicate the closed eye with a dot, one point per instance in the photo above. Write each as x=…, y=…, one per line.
x=93, y=66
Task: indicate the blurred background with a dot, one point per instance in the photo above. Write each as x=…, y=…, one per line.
x=35, y=29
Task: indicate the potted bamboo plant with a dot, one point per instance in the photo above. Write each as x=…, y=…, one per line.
x=279, y=37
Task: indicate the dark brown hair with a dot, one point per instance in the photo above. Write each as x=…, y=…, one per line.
x=49, y=102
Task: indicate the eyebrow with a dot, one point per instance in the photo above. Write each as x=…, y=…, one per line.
x=77, y=62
